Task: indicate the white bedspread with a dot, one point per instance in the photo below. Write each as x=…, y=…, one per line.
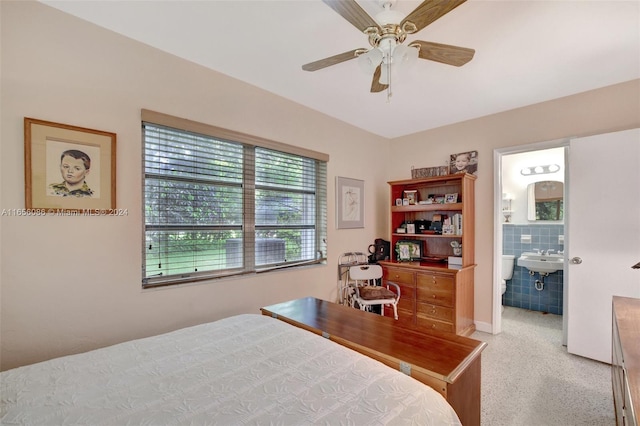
x=247, y=369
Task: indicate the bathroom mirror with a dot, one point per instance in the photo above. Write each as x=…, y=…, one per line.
x=545, y=200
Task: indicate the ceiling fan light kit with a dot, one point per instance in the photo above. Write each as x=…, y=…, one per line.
x=386, y=35
x=405, y=56
x=369, y=60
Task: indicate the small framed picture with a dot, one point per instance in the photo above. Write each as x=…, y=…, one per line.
x=349, y=203
x=464, y=162
x=398, y=201
x=408, y=250
x=411, y=228
x=412, y=196
x=451, y=198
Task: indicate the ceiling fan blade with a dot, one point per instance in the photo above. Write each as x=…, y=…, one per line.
x=331, y=60
x=444, y=53
x=429, y=11
x=352, y=12
x=376, y=86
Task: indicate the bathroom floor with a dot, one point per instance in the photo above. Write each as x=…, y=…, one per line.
x=529, y=378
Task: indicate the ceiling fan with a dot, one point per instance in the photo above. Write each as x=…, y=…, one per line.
x=387, y=34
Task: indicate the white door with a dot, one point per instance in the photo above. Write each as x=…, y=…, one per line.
x=603, y=236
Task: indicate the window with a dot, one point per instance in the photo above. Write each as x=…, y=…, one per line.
x=219, y=206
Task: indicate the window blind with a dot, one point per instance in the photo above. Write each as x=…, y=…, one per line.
x=286, y=198
x=216, y=207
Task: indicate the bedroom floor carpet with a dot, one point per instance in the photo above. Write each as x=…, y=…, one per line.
x=529, y=378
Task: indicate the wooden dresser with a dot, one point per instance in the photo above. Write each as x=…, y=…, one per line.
x=625, y=363
x=448, y=363
x=433, y=297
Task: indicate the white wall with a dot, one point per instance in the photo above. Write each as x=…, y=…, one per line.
x=69, y=284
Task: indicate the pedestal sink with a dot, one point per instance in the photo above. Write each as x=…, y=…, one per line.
x=541, y=263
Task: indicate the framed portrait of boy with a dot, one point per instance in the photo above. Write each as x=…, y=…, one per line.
x=464, y=162
x=69, y=168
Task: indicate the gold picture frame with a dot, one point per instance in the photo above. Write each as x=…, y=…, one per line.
x=69, y=168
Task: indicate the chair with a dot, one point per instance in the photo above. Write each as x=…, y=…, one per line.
x=366, y=291
x=345, y=284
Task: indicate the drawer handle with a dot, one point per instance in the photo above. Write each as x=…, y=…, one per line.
x=433, y=326
x=433, y=311
x=434, y=296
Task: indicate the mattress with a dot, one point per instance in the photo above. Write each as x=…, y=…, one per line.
x=246, y=369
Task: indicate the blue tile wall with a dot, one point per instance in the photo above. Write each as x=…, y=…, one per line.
x=521, y=291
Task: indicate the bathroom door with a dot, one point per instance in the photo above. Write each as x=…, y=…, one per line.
x=603, y=236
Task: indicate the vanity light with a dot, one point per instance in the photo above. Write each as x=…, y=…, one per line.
x=540, y=170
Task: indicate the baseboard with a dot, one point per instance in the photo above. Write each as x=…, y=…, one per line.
x=484, y=327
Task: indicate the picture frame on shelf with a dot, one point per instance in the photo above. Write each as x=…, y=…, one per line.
x=408, y=250
x=451, y=198
x=69, y=168
x=349, y=203
x=411, y=195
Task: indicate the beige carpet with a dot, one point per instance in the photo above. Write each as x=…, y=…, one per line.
x=529, y=379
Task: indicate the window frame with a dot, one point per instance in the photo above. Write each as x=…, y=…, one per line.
x=249, y=228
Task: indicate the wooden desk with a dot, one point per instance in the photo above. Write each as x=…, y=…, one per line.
x=448, y=363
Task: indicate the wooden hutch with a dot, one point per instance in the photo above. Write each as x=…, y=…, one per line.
x=437, y=292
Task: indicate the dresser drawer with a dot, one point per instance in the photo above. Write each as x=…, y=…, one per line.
x=407, y=304
x=432, y=324
x=407, y=292
x=435, y=289
x=399, y=276
x=437, y=312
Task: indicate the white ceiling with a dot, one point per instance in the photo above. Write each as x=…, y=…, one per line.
x=526, y=52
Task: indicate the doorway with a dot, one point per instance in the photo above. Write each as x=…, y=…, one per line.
x=610, y=200
x=517, y=231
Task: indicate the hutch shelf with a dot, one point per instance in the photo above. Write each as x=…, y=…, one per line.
x=437, y=280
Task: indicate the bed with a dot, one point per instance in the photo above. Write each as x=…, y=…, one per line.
x=245, y=369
